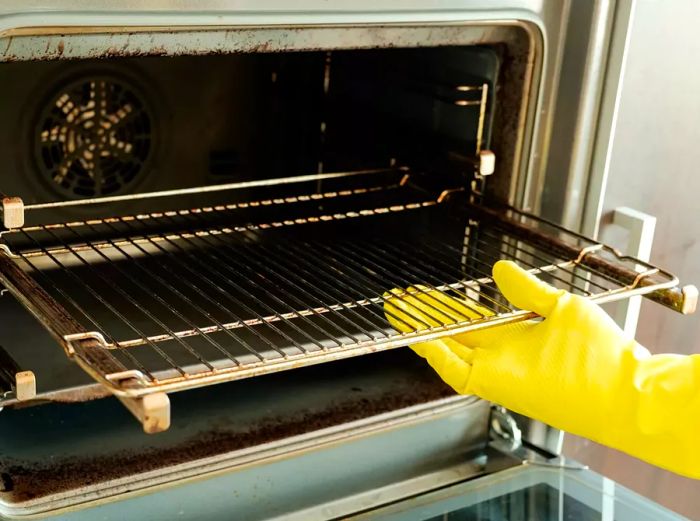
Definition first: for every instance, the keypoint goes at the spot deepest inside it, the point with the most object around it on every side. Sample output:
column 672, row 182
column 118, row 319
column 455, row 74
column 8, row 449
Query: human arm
column 574, row 370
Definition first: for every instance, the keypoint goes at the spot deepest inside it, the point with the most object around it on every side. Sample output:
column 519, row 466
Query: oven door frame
column 561, row 113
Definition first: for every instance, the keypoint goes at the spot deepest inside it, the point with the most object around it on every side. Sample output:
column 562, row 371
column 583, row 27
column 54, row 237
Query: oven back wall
column 86, row 128
column 165, row 122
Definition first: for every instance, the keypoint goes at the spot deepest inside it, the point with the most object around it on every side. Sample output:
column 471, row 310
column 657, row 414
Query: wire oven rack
column 165, row 301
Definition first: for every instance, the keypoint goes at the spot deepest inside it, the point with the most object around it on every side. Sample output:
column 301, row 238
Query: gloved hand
column 574, row 370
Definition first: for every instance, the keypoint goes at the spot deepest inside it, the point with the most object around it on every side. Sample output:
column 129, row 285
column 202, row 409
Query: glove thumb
column 524, row 290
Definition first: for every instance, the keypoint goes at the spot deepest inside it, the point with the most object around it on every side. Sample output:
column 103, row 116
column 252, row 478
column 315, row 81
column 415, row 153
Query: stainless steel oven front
column 238, row 194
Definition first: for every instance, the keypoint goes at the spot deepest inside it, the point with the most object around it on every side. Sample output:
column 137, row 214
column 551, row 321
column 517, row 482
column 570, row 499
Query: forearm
column 651, row 410
column 664, row 413
column 575, row 370
column 646, row 406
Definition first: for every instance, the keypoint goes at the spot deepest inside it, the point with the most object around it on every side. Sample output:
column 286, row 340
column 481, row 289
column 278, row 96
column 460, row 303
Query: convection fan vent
column 94, row 137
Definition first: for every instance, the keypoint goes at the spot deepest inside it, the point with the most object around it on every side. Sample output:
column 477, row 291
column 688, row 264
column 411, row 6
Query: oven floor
column 58, row 447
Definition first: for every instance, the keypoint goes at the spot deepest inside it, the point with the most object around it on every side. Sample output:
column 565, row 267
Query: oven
column 207, row 211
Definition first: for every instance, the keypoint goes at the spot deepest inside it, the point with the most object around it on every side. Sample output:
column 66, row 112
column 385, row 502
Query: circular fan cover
column 94, row 137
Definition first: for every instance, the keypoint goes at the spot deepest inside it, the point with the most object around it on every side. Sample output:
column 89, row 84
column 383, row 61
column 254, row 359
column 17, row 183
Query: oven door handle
column 640, row 227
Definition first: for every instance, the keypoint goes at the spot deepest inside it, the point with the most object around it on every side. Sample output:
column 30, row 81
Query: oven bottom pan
column 279, row 274
column 376, row 437
column 78, row 455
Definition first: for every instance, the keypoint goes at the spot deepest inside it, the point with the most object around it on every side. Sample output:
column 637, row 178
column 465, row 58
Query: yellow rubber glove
column 575, row 370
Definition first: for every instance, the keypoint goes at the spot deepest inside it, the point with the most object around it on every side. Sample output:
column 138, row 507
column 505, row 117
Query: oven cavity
column 194, row 220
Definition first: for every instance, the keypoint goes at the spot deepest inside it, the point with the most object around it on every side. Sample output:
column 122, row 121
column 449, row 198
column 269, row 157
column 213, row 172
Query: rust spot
column 110, row 52
column 60, row 47
column 125, row 51
column 82, row 394
column 261, row 47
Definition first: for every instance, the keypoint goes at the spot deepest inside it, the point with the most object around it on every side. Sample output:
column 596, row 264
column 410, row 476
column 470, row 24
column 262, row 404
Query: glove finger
column 524, row 290
column 480, row 337
column 419, row 308
column 423, row 349
column 441, row 304
column 450, row 366
column 461, row 350
column 494, row 336
column 404, row 312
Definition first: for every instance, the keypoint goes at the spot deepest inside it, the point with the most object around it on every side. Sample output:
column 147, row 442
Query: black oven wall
column 409, row 106
column 170, row 122
column 87, row 128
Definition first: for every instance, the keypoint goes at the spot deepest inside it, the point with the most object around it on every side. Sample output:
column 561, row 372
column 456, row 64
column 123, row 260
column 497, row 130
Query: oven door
column 542, row 492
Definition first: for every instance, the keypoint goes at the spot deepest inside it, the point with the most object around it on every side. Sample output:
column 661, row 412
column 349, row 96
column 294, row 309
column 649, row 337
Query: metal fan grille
column 94, row 137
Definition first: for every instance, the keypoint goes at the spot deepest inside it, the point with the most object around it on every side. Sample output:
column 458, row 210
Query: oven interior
column 193, row 220
column 202, row 121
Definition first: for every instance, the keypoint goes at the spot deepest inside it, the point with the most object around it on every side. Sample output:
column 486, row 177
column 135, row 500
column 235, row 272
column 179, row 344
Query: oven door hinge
column 506, row 436
column 503, row 427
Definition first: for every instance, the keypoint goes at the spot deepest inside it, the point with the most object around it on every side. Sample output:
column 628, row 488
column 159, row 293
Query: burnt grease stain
column 24, row 482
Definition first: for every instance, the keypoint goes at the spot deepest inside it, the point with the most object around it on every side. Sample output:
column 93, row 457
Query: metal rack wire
column 166, row 301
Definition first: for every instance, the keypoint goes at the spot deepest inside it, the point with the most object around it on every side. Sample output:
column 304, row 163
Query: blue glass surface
column 529, row 493
column 521, row 505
